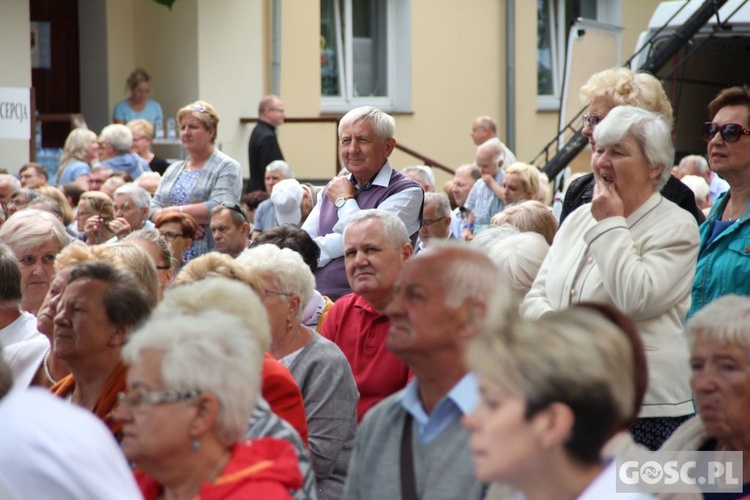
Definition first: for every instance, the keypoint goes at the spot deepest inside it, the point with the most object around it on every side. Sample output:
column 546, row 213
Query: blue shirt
column 460, row 400
column 130, row 163
column 483, row 202
column 150, row 112
column 73, row 171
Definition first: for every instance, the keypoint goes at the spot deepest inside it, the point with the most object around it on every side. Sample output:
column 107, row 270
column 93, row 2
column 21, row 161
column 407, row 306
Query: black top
column 262, row 150
column 581, row 191
column 158, row 165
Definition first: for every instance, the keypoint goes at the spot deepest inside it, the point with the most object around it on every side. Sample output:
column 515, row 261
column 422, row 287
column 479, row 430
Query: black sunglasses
column 235, row 207
column 730, row 132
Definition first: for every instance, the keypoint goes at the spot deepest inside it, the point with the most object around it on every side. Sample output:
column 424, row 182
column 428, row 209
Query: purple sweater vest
column 331, row 278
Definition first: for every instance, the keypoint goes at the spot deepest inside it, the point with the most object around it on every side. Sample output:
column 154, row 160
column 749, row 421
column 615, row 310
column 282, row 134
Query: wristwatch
column 340, row 201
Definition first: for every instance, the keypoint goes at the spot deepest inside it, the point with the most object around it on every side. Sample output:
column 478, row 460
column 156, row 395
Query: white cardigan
column 643, row 264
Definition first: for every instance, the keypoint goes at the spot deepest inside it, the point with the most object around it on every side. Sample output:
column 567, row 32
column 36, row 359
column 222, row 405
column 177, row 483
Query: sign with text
column 15, row 113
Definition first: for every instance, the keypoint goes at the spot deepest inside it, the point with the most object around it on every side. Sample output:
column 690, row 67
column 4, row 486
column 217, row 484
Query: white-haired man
column 131, row 210
column 115, row 142
column 697, row 165
column 376, row 245
column 436, row 221
column 486, row 195
column 422, row 175
column 366, row 138
column 440, row 301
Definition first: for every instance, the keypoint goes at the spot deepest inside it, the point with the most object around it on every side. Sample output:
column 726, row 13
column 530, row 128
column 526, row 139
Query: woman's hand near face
column 606, row 202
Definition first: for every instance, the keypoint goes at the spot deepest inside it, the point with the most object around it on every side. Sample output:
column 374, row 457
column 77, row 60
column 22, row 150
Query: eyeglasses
column 428, row 222
column 170, row 235
column 268, row 292
column 236, row 208
column 135, row 400
column 592, row 120
column 280, row 110
column 730, row 132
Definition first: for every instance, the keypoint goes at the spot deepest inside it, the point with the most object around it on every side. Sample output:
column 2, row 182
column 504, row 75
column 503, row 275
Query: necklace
column 46, row 368
column 289, row 347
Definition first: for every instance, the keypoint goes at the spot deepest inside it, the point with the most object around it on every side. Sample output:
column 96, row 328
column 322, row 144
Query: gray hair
column 518, row 258
column 136, row 261
column 284, row 268
column 31, row 228
column 726, row 320
column 281, row 167
column 140, row 196
column 206, row 352
column 118, row 136
column 441, row 202
column 697, row 161
column 650, row 130
column 15, row 184
column 229, row 296
column 473, row 171
column 10, row 276
column 382, row 123
column 529, row 215
column 468, row 275
column 697, row 185
column 154, row 237
column 587, row 364
column 423, row 173
column 125, row 302
column 394, row 229
column 485, row 240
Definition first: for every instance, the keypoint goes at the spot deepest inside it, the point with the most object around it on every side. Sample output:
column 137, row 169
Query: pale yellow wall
column 166, row 46
column 635, row 17
column 230, row 67
column 534, row 128
column 16, row 71
column 120, row 48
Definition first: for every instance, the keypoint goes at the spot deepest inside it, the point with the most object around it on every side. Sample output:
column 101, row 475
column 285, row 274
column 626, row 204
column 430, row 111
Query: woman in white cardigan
column 636, row 250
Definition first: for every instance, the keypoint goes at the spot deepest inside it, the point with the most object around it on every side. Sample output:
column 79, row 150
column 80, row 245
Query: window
column 359, row 59
column 555, row 16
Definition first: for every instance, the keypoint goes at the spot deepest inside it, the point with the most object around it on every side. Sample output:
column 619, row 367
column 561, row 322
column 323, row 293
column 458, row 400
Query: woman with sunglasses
column 631, row 248
column 205, row 179
column 724, row 259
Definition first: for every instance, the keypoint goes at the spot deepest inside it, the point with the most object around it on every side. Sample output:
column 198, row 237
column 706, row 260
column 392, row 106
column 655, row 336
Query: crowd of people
column 167, row 333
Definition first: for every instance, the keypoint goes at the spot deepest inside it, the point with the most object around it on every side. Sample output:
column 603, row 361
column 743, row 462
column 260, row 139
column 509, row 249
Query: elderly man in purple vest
column 366, row 137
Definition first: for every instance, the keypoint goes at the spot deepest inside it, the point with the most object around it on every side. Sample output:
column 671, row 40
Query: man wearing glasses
column 436, row 220
column 264, row 145
column 230, row 228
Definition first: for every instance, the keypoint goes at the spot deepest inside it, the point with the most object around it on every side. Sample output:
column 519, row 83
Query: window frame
column 398, row 34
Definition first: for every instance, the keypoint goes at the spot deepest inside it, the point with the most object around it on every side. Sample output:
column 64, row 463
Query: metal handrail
column 335, row 119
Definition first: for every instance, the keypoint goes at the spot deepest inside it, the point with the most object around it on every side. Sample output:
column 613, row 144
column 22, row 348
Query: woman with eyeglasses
column 631, row 248
column 179, row 231
column 724, row 259
column 320, row 368
column 622, row 87
column 192, row 384
column 205, row 179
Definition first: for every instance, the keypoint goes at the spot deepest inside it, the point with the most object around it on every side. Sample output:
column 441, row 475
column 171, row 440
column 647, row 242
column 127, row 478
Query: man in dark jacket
column 264, row 146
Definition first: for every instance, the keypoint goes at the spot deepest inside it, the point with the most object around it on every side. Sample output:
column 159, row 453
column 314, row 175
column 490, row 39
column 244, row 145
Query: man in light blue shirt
column 114, row 150
column 440, row 301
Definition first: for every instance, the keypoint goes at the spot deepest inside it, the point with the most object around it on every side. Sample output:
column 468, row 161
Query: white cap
column 286, row 197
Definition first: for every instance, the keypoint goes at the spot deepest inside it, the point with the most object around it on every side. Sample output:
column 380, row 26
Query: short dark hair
column 292, row 237
column 732, row 96
column 10, row 275
column 125, row 302
column 37, row 167
column 73, row 191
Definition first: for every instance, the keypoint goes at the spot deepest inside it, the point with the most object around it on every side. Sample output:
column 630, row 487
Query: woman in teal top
column 138, row 105
column 724, row 258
